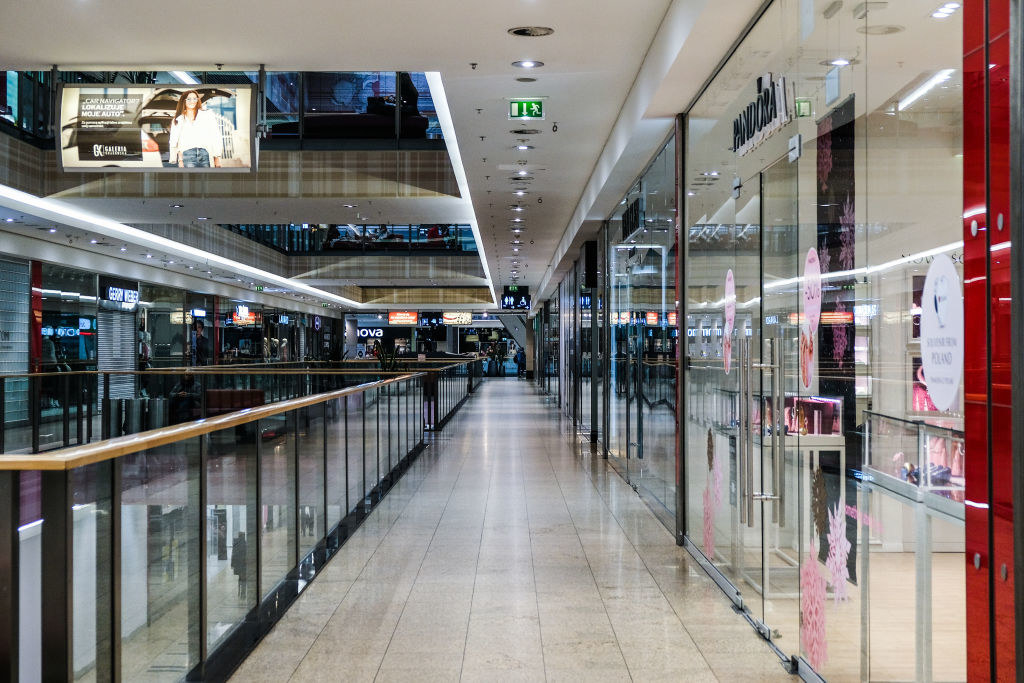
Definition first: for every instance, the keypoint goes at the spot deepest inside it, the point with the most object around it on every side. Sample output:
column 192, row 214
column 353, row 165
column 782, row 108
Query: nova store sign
column 769, row 112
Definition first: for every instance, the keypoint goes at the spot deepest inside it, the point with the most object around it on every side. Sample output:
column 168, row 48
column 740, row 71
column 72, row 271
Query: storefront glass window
column 824, row 419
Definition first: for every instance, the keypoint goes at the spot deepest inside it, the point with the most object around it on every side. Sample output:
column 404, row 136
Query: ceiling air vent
column 531, row 31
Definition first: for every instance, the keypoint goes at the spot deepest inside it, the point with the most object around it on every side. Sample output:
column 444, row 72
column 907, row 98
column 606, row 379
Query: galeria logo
column 99, row 151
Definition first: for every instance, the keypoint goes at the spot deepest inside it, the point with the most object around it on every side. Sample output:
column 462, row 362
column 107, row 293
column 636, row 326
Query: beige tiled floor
column 509, row 553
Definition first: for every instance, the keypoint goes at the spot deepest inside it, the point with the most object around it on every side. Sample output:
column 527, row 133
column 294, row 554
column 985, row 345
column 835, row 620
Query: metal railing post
column 10, row 517
column 57, row 567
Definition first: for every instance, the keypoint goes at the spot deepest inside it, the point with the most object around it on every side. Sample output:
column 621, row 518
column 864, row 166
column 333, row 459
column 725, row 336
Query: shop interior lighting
column 50, row 210
column 185, row 77
column 940, row 77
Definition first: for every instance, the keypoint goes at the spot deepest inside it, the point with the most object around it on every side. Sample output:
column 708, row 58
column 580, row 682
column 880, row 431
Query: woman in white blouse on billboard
column 195, row 140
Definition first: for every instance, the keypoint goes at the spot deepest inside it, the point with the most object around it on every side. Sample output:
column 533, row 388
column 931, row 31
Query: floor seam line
column 590, row 567
column 476, row 573
column 426, row 550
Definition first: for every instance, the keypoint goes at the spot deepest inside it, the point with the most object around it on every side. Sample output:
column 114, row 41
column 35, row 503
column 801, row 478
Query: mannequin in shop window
column 922, row 402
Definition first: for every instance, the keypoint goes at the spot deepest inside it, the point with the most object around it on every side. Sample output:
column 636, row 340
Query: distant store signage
column 141, row 128
column 672, row 319
column 652, row 318
column 431, row 319
column 243, row 316
column 317, row 323
column 282, row 320
column 632, row 218
column 526, row 110
column 370, row 333
column 403, row 318
column 119, row 291
column 768, row 113
column 458, row 318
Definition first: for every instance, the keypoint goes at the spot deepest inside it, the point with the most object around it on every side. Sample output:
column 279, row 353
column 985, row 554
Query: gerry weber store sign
column 766, row 114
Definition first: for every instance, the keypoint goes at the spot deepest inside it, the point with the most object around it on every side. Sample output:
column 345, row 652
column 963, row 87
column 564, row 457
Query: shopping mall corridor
column 509, row 552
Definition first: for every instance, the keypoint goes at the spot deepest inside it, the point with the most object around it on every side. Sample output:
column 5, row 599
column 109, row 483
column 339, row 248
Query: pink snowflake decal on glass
column 824, row 152
column 838, row 554
column 812, row 613
column 847, row 232
column 840, row 338
column 712, row 499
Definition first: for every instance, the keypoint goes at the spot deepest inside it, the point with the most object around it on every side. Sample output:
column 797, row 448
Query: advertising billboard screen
column 403, row 318
column 174, row 128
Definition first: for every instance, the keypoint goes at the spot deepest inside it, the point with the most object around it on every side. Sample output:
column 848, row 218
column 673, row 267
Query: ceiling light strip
column 60, row 212
column 444, row 118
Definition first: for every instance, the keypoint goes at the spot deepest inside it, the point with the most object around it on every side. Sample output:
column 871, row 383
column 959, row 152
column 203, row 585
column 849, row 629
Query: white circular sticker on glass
column 812, row 314
column 730, row 319
column 942, row 333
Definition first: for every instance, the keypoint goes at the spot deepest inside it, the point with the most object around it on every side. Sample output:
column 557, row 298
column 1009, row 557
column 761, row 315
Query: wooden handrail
column 88, row 454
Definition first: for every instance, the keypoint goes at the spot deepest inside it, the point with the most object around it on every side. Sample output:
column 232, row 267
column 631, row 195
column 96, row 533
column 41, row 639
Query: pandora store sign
column 762, row 117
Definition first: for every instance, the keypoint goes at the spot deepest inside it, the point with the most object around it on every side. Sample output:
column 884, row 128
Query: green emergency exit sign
column 526, row 109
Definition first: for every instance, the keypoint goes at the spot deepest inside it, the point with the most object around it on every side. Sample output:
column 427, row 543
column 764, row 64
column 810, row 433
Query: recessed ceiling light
column 528, row 64
column 93, row 241
column 149, row 256
column 53, row 229
column 520, row 193
column 202, row 218
column 531, row 31
column 170, row 263
column 522, row 172
column 840, row 62
column 124, row 248
column 523, row 148
column 9, row 220
column 177, row 206
column 349, row 206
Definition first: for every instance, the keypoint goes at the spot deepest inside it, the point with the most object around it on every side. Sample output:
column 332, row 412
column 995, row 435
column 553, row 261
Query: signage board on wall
column 769, row 112
column 119, row 291
column 370, row 333
column 651, row 318
column 458, row 318
column 410, row 318
column 133, row 127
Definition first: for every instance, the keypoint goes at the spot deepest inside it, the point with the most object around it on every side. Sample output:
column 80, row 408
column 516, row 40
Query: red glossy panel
column 1000, row 339
column 975, row 352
